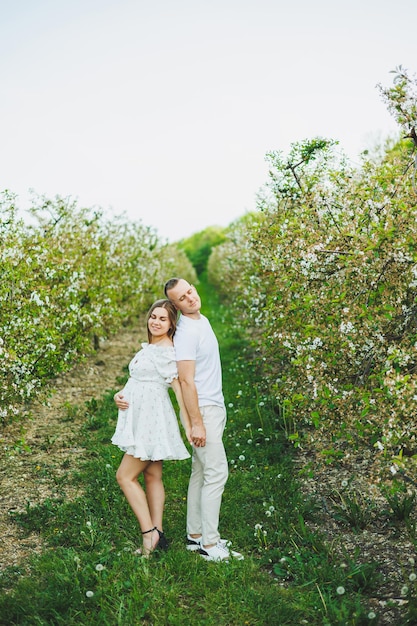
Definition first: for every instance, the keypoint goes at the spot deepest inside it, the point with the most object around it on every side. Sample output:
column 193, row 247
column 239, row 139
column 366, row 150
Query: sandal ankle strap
column 145, row 532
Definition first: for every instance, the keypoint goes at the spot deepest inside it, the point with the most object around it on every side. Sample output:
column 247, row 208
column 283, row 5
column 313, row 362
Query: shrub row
column 69, row 278
column 324, row 279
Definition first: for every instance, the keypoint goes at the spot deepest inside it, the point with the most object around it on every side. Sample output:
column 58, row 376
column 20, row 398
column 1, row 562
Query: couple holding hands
column 182, row 353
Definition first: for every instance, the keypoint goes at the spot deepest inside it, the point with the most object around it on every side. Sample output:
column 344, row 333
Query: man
column 200, row 375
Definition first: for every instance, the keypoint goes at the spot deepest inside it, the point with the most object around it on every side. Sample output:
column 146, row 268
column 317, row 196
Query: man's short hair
column 170, row 284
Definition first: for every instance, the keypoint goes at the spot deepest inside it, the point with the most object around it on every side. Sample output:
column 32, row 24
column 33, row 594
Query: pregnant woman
column 147, row 426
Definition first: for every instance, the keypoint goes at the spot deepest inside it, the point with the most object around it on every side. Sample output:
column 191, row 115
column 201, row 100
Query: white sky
column 164, row 109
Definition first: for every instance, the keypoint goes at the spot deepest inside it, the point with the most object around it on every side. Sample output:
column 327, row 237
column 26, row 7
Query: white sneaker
column 219, row 552
column 194, row 543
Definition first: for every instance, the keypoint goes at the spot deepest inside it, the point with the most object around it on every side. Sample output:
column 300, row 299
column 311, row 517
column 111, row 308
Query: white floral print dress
column 149, row 429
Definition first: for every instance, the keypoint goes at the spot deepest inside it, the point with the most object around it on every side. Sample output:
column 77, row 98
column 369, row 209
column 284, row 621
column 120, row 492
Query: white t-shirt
column 195, row 340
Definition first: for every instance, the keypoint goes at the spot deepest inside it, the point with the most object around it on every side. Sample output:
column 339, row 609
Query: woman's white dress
column 148, row 429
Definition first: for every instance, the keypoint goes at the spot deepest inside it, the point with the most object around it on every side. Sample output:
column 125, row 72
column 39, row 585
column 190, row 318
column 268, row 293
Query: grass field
column 88, row 572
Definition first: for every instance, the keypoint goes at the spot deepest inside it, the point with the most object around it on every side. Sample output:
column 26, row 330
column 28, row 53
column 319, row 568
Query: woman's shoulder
column 161, row 347
column 163, row 355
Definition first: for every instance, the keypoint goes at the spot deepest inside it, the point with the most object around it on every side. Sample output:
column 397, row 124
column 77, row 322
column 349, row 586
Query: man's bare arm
column 184, row 417
column 186, row 373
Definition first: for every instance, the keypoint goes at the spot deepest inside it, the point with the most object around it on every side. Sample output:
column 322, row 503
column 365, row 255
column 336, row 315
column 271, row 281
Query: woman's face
column 159, row 323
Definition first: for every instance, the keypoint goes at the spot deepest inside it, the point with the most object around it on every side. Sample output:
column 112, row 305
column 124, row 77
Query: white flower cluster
column 68, row 289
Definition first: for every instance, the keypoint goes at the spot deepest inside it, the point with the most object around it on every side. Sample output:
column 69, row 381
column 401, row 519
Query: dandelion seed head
column 404, row 590
column 241, row 457
column 412, row 577
column 411, row 560
column 371, row 615
column 99, row 567
column 89, row 594
column 340, row 590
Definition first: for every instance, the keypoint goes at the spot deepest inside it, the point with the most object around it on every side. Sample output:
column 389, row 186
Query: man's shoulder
column 185, row 330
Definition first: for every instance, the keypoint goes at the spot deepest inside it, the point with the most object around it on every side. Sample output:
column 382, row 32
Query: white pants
column 209, row 473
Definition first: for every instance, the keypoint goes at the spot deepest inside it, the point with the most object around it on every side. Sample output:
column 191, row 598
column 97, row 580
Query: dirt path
column 34, row 456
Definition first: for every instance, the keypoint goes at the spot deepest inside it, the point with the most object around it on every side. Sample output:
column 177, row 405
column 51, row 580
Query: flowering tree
column 328, row 275
column 67, row 282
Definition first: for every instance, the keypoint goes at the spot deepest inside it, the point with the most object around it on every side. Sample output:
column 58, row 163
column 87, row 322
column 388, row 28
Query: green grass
column 289, row 575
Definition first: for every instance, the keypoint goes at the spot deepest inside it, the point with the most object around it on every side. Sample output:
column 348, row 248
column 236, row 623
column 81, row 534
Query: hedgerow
column 324, row 280
column 69, row 279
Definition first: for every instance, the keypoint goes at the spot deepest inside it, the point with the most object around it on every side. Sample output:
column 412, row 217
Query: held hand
column 121, row 403
column 198, row 435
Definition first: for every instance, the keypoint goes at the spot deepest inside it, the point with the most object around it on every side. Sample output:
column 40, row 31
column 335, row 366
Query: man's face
column 185, row 298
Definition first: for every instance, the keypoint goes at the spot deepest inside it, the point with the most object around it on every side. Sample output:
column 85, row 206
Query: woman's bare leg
column 127, row 476
column 155, row 492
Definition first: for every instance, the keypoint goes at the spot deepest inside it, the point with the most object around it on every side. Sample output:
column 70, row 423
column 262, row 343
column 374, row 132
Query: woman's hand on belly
column 120, row 401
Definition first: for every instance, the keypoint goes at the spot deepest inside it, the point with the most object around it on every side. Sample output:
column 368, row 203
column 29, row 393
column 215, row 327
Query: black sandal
column 145, row 532
column 139, row 551
column 163, row 541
